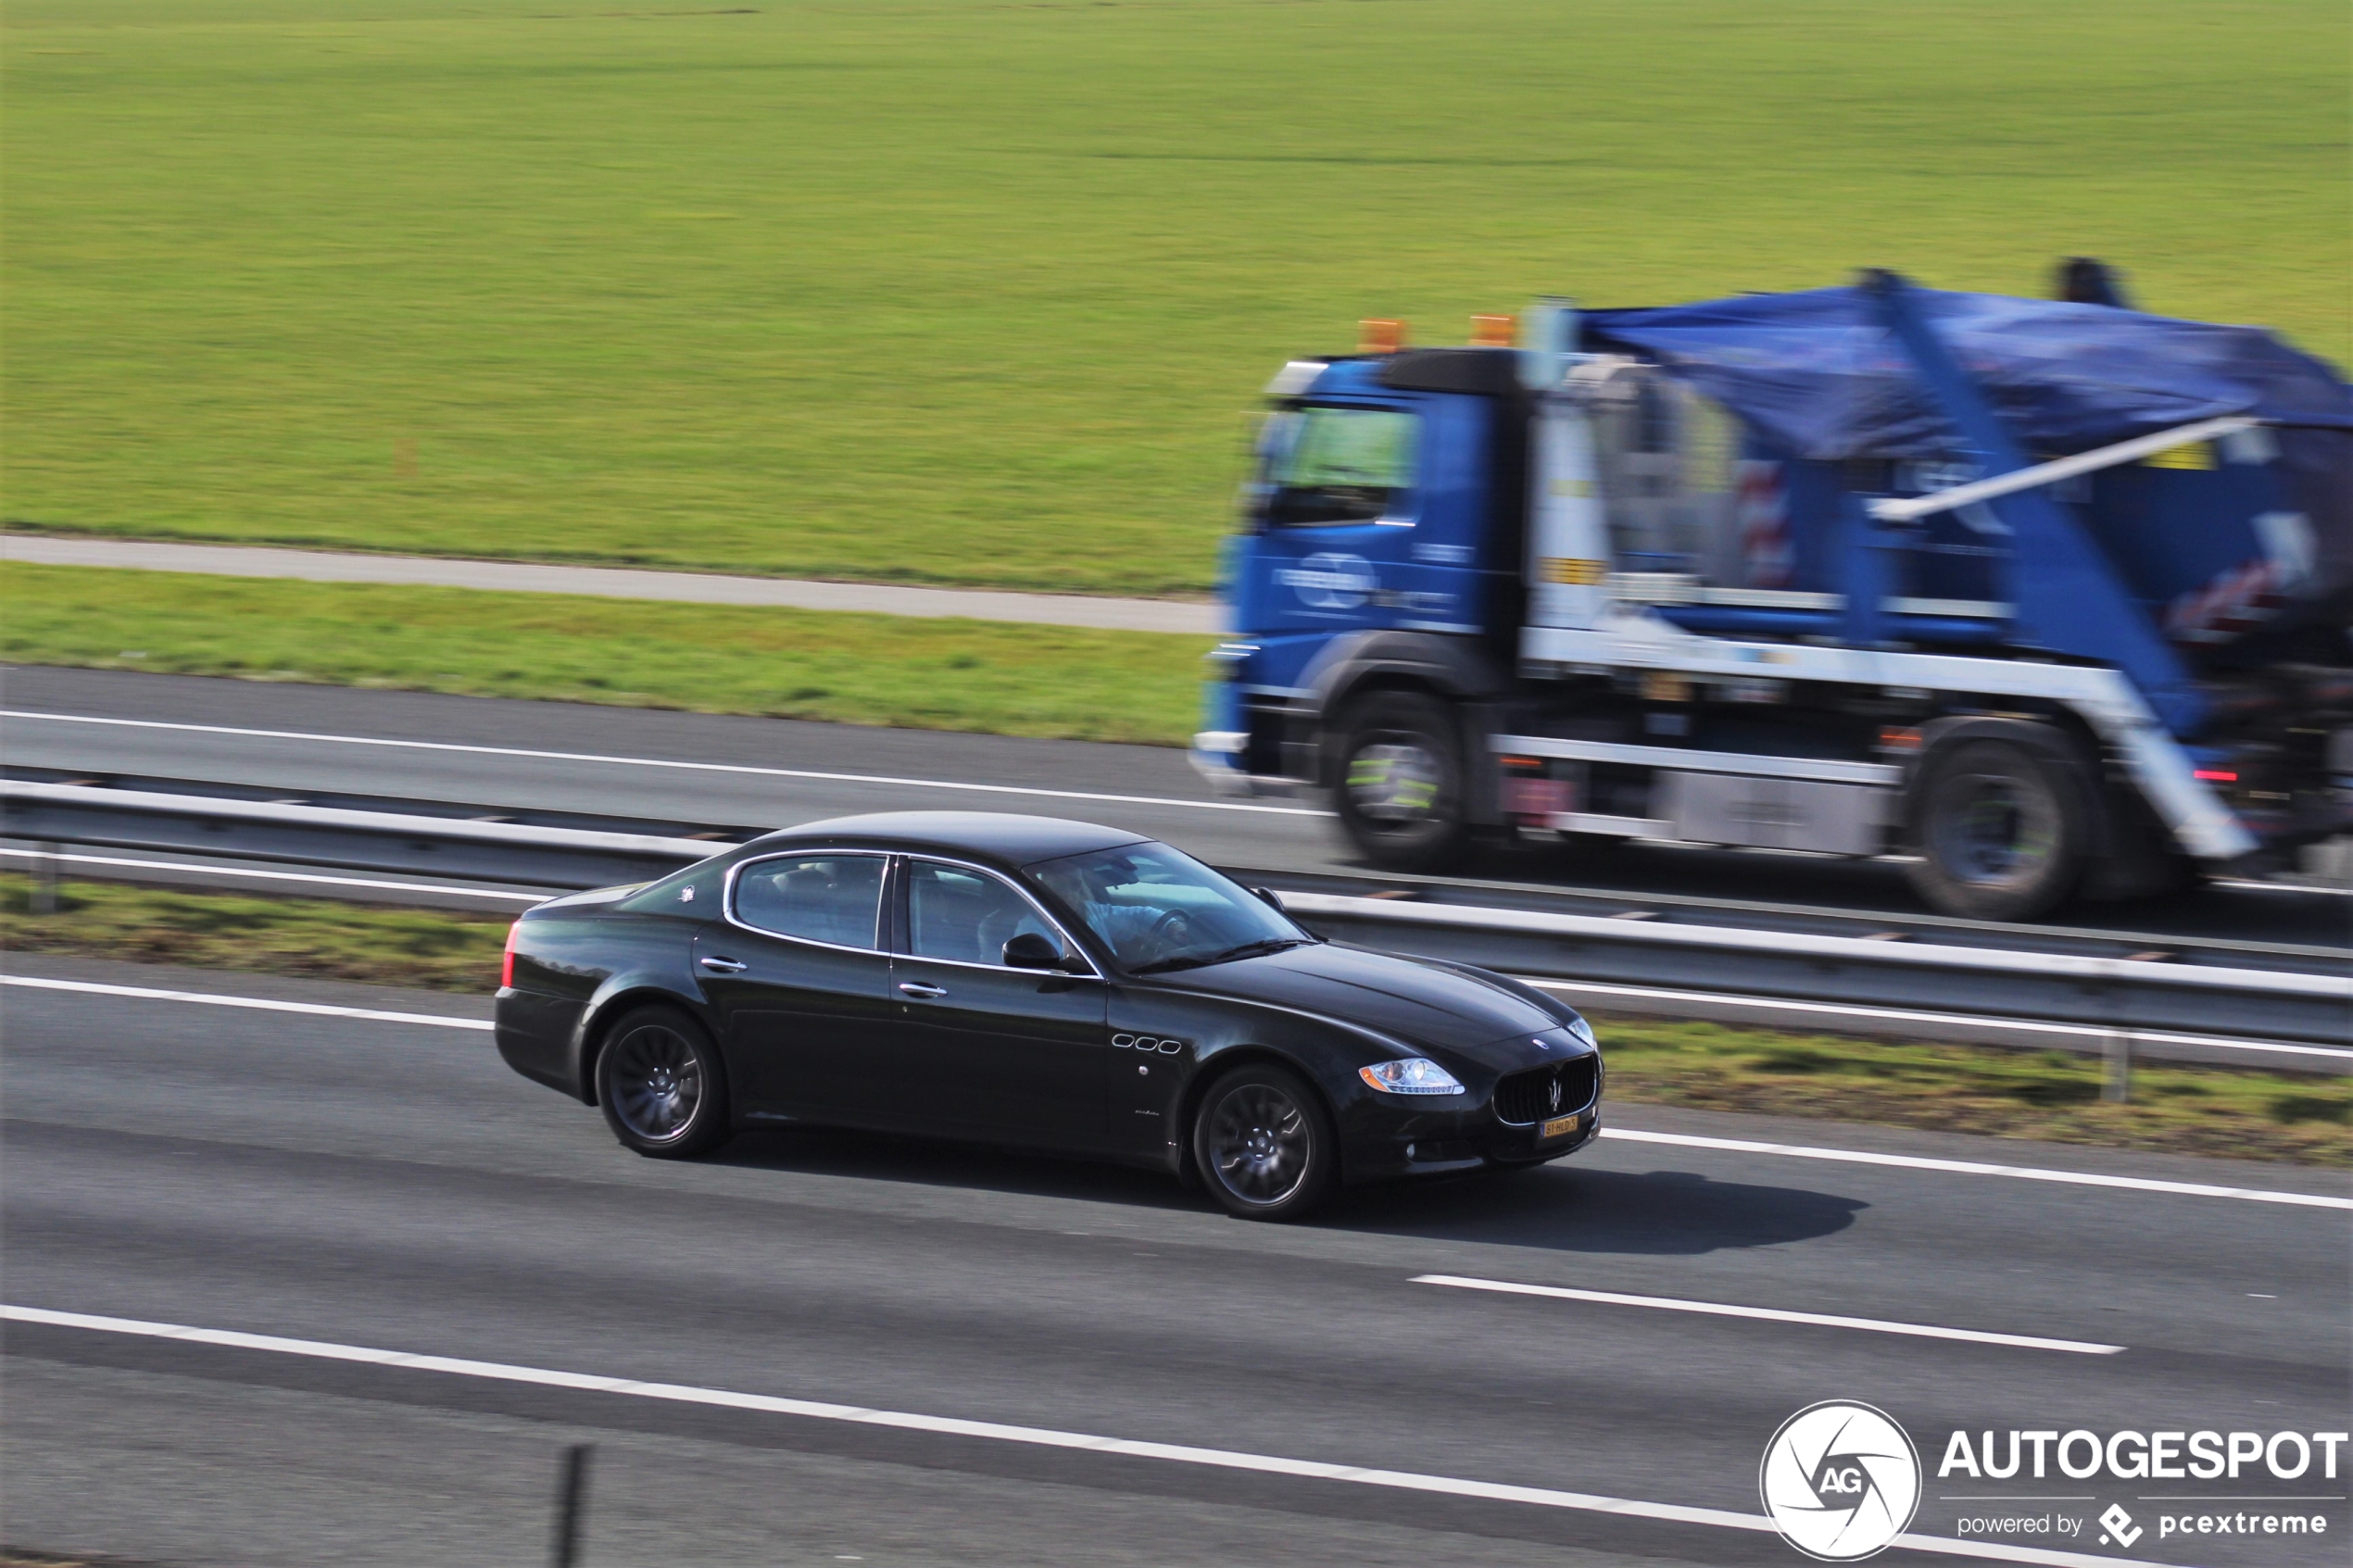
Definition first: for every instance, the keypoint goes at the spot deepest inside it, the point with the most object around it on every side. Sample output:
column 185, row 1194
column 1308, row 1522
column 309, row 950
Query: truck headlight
column 1411, row 1076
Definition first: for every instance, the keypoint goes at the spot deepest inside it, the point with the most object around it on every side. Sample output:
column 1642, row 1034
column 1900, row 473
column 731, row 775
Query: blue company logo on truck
column 2049, row 597
column 1331, row 582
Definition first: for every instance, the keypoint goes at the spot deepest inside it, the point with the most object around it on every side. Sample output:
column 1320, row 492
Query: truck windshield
column 1327, row 465
column 1157, row 908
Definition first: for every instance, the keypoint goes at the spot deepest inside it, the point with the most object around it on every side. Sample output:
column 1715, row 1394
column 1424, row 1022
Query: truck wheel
column 1999, row 831
column 1400, row 786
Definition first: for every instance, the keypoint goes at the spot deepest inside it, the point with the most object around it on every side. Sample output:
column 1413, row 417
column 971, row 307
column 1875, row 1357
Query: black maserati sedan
column 1033, row 982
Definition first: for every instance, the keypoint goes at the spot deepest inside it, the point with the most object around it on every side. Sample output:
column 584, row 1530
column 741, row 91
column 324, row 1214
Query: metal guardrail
column 529, row 856
column 2119, row 994
column 2124, row 995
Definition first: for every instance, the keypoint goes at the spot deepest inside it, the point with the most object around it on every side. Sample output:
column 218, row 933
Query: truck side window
column 1330, row 465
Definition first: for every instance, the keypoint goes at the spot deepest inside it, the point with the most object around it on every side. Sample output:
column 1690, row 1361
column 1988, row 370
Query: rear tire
column 1263, row 1145
column 2000, row 830
column 1400, row 785
column 661, row 1086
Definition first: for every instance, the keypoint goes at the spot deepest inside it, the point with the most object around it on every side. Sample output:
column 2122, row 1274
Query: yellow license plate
column 1561, row 1126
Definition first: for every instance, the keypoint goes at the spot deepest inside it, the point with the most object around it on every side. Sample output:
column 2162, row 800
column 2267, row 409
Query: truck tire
column 2000, row 831
column 1399, row 782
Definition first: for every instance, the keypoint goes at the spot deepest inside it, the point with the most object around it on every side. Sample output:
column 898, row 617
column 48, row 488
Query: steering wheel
column 1169, row 930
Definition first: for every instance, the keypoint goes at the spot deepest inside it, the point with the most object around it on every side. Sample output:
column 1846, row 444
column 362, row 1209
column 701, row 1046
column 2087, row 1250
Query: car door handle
column 723, row 966
column 916, row 988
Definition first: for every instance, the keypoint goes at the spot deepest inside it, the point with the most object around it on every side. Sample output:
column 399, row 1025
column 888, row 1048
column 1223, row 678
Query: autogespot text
column 2137, row 1456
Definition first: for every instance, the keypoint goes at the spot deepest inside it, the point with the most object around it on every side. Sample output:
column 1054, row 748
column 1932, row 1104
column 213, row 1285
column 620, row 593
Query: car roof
column 1003, row 836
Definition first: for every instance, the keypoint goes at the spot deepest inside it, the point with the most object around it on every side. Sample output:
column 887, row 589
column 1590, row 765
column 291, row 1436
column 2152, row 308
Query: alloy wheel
column 657, row 1082
column 1259, row 1143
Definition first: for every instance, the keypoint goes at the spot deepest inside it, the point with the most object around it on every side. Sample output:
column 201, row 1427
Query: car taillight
column 507, row 964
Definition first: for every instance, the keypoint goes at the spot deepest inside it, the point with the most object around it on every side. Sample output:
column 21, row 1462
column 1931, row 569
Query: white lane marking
column 281, row 876
column 262, row 1004
column 1914, row 1015
column 1978, row 1168
column 1819, row 1320
column 666, row 762
column 1040, row 1437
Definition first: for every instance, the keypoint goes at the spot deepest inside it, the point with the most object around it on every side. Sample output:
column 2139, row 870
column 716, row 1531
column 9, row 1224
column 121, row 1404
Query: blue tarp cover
column 1816, row 375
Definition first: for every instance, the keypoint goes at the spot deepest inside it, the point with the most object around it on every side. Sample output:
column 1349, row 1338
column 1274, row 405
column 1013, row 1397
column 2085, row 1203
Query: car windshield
column 1156, row 908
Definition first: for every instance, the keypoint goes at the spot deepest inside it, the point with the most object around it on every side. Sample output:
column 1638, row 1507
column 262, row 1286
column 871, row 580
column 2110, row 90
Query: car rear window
column 835, row 899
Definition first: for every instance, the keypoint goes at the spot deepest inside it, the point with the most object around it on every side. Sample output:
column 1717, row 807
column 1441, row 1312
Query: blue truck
column 2051, row 597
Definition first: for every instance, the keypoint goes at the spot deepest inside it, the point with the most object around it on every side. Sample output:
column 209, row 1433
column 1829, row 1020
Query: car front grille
column 1527, row 1096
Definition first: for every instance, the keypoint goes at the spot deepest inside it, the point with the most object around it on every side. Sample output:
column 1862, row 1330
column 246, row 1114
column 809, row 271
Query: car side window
column 835, row 899
column 966, row 916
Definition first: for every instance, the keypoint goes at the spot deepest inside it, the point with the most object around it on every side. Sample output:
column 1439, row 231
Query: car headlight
column 1411, row 1076
column 1582, row 1030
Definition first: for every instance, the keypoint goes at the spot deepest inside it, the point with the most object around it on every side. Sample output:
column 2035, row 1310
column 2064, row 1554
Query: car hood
column 1422, row 1002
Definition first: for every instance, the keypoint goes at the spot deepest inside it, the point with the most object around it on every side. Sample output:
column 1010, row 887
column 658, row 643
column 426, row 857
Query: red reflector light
column 507, row 964
column 2216, row 776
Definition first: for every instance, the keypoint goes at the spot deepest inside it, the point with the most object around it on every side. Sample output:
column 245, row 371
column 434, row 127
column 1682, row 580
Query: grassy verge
column 1948, row 1088
column 314, row 938
column 953, row 291
column 1060, row 682
column 2047, row 1095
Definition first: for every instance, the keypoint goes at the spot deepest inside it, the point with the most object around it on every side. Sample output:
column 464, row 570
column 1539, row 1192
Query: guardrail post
column 2117, row 1089
column 572, row 1503
column 44, row 879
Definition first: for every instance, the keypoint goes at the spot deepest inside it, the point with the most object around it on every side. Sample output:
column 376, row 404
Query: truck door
column 1368, row 516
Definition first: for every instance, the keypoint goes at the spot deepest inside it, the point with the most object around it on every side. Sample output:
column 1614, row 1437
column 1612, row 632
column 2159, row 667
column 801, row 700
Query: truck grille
column 1527, row 1096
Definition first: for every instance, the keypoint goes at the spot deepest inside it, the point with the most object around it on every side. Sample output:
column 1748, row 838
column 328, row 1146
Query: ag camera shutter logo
column 1840, row 1481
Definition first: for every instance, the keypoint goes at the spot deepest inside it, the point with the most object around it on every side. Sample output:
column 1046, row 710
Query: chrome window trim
column 727, row 898
column 1069, row 944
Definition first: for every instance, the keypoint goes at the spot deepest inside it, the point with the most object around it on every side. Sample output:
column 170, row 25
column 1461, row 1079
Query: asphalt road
column 556, row 757
column 388, row 1184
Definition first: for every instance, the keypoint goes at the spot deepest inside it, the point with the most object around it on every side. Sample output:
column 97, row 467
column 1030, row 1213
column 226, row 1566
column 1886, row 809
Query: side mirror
column 1272, row 899
column 1029, row 950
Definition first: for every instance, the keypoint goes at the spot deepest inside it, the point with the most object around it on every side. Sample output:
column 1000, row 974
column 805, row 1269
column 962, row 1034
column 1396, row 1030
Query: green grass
column 962, row 290
column 431, row 949
column 2047, row 1095
column 943, row 674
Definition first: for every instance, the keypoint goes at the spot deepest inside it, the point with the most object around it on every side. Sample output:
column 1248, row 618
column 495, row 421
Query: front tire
column 1400, row 790
column 1264, row 1146
column 2000, row 831
column 661, row 1086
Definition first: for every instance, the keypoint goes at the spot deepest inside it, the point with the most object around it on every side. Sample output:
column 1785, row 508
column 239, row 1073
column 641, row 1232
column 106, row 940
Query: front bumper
column 1385, row 1137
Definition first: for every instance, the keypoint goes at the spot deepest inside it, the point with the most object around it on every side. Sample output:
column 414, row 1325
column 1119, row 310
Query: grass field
column 958, row 290
column 2047, row 1095
column 920, row 675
